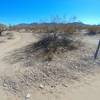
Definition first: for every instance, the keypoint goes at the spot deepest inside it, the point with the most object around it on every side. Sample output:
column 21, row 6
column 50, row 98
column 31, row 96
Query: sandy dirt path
column 20, row 40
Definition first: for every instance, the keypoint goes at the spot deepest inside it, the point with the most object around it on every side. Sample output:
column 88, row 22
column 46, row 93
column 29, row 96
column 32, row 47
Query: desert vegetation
column 59, row 56
column 2, row 28
column 68, row 28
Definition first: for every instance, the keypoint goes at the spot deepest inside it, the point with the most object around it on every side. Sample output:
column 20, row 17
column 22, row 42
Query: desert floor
column 86, row 89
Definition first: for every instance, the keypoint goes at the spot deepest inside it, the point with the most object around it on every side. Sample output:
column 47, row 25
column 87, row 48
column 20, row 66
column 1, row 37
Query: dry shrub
column 93, row 30
column 54, row 43
column 2, row 28
column 48, row 28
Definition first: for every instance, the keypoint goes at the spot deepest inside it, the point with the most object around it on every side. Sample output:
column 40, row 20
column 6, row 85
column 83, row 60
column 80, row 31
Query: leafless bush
column 51, row 43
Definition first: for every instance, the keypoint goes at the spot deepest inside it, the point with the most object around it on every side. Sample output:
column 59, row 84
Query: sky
column 28, row 11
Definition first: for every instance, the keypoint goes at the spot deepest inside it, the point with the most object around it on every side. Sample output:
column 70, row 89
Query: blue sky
column 27, row 11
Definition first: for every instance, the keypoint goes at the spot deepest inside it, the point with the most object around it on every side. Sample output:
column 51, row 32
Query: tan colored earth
column 87, row 89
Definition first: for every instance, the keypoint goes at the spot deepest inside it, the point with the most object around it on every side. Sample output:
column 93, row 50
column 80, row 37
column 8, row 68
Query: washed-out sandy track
column 20, row 40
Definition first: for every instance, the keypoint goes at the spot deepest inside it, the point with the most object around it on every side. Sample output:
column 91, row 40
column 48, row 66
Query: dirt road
column 20, row 40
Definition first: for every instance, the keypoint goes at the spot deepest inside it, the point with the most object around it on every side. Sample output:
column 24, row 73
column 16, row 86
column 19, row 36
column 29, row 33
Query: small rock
column 27, row 97
column 5, row 85
column 76, row 67
column 65, row 85
column 41, row 86
column 53, row 86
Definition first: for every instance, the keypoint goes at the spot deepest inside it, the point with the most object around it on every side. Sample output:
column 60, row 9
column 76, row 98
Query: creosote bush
column 55, row 43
